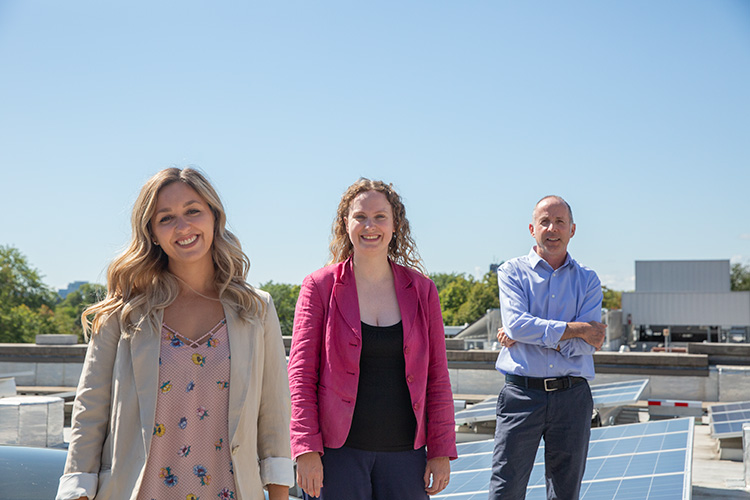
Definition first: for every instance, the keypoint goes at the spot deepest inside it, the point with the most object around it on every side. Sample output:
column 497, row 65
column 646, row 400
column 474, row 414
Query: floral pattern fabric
column 190, row 454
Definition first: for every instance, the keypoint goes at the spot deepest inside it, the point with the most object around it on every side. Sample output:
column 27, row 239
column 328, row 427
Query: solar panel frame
column 605, row 394
column 649, row 461
column 726, row 419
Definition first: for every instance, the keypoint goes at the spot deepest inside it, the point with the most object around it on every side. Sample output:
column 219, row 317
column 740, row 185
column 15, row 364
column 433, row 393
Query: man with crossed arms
column 551, row 310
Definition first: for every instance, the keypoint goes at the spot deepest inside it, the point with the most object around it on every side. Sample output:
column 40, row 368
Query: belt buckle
column 547, row 388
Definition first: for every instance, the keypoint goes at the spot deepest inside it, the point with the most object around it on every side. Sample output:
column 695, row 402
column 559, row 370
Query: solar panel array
column 647, row 461
column 605, row 396
column 727, row 419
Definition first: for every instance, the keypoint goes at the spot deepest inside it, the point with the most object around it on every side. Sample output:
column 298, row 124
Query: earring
column 156, row 243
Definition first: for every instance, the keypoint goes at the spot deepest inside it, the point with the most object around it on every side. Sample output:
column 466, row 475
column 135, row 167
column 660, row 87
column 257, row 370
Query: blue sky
column 637, row 112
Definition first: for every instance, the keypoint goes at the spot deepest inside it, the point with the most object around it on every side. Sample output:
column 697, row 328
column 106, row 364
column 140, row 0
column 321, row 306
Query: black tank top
column 383, row 418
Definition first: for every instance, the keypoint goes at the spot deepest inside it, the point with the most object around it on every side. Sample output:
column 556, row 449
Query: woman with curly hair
column 184, row 391
column 372, row 408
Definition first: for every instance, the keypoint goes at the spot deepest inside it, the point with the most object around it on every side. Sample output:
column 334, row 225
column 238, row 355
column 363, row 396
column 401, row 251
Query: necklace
column 196, row 291
column 197, row 342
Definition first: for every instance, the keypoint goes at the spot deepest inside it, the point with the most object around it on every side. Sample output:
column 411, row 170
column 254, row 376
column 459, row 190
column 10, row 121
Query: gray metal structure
column 682, row 276
column 691, row 298
column 687, row 308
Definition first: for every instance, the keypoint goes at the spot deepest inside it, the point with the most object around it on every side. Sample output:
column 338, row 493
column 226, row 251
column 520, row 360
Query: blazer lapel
column 345, row 294
column 242, row 339
column 408, row 301
column 145, row 352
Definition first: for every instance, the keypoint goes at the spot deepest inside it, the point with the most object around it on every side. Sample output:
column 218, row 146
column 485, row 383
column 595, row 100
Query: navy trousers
column 351, row 474
column 524, row 416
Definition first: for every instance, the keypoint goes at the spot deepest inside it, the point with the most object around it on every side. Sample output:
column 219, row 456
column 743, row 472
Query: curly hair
column 402, row 249
column 140, row 279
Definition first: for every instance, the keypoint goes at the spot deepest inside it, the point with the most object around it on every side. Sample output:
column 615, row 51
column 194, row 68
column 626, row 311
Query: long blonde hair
column 139, row 277
column 402, row 249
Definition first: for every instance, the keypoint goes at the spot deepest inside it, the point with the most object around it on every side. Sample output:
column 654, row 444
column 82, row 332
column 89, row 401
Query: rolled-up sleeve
column 571, row 348
column 90, row 418
column 76, row 485
column 276, row 466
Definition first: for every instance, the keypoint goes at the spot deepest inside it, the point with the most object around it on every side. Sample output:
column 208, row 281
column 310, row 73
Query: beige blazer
column 115, row 407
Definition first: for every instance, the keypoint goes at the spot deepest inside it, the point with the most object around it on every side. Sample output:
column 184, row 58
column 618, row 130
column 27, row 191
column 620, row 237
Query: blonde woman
column 372, row 409
column 184, row 392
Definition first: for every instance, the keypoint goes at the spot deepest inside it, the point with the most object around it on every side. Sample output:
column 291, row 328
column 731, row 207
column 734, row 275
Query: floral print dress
column 190, row 452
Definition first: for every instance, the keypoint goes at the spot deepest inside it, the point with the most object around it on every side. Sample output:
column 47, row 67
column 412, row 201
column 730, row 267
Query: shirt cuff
column 553, row 333
column 277, row 470
column 76, row 485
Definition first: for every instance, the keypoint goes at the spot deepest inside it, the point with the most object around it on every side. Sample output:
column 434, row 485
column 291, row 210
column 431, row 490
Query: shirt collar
column 535, row 259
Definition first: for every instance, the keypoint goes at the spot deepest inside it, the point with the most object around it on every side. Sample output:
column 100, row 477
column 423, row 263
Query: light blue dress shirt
column 537, row 302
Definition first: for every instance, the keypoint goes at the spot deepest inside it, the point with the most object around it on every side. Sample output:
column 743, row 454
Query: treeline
column 29, row 307
column 463, row 299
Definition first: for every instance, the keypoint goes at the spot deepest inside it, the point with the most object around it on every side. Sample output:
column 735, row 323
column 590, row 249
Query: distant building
column 691, row 298
column 72, row 287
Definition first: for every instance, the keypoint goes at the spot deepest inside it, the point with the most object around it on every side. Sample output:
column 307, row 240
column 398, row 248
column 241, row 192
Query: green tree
column 612, row 298
column 20, row 283
column 740, row 277
column 68, row 311
column 285, row 299
column 454, row 294
column 464, row 299
column 442, row 280
column 25, row 301
column 483, row 295
column 22, row 324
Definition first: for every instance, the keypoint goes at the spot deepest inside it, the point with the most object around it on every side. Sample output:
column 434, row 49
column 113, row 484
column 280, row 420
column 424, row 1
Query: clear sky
column 637, row 112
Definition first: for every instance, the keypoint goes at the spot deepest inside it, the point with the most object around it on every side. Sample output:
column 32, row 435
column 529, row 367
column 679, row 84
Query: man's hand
column 504, row 340
column 592, row 333
column 440, row 470
column 596, row 334
column 310, row 473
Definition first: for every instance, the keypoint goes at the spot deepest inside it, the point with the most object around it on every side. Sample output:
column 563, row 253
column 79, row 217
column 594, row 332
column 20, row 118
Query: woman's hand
column 504, row 340
column 440, row 470
column 310, row 473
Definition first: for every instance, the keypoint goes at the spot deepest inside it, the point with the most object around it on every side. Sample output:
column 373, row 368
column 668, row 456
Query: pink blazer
column 324, row 360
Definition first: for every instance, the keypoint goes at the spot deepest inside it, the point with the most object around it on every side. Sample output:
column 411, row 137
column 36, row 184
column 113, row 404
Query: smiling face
column 370, row 224
column 552, row 229
column 183, row 225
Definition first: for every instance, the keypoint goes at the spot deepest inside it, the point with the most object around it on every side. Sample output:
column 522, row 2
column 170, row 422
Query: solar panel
column 647, row 461
column 618, row 393
column 727, row 419
column 604, row 395
column 480, row 412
